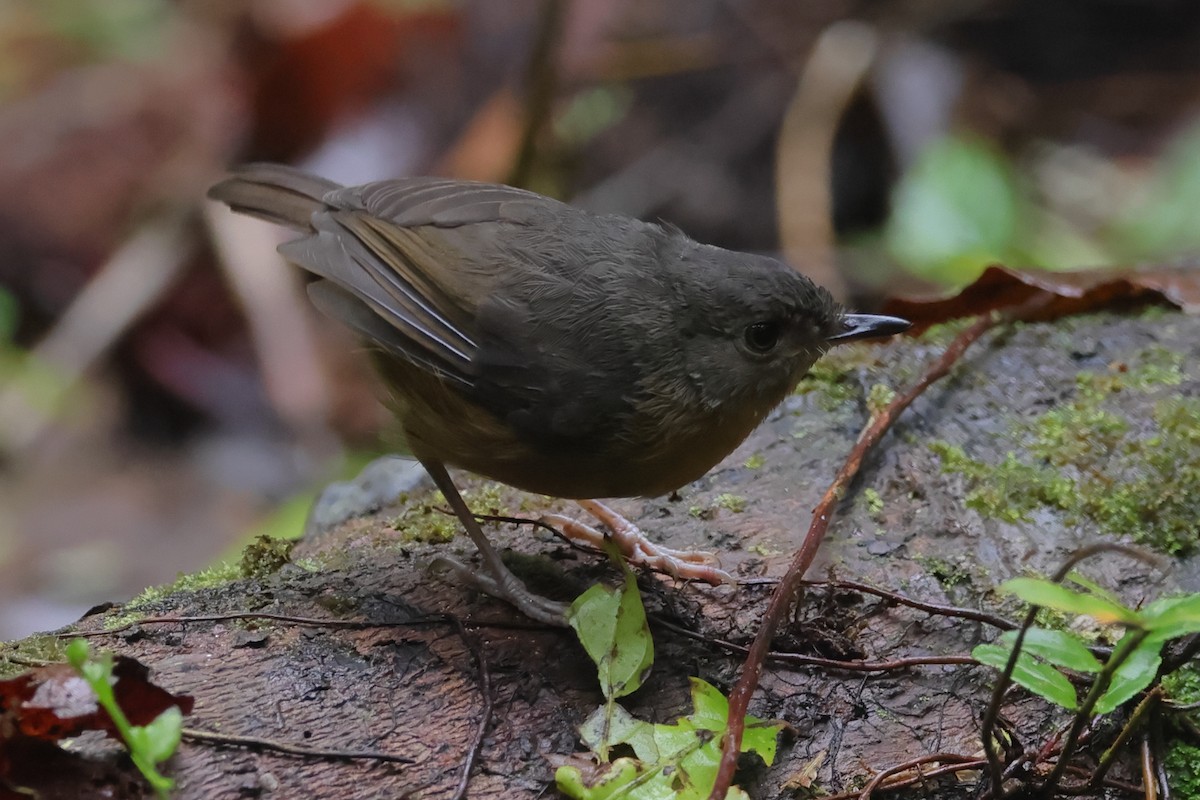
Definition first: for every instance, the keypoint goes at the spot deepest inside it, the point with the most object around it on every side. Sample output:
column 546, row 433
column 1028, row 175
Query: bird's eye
column 761, row 337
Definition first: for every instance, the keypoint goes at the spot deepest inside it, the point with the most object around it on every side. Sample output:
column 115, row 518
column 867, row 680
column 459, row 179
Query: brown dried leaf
column 1074, row 292
column 54, row 702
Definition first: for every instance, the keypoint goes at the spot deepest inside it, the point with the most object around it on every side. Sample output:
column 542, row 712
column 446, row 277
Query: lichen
column 755, row 461
column 1086, row 460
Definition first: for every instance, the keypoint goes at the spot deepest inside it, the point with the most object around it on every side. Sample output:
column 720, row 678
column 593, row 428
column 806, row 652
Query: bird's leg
column 637, row 549
column 499, row 581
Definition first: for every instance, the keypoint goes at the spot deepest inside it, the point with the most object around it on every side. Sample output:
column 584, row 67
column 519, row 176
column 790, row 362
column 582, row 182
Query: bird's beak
column 868, row 326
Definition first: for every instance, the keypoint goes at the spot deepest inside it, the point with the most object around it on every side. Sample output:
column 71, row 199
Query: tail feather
column 274, row 192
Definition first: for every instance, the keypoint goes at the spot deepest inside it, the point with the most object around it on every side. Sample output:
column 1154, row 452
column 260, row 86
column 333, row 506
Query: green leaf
column 1039, row 678
column 77, row 652
column 608, row 726
column 1079, row 579
column 1173, row 617
column 619, row 775
column 1060, row 648
column 954, row 211
column 612, row 628
column 1133, row 675
column 163, row 734
column 1037, row 591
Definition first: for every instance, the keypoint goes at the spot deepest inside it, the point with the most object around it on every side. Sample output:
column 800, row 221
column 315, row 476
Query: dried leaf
column 1074, row 292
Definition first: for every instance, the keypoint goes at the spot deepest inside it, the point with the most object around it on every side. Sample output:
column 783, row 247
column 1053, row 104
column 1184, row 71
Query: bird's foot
column 637, row 549
column 507, row 587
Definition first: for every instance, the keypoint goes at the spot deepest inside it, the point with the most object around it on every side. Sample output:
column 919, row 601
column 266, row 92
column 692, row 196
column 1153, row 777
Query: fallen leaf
column 1072, row 292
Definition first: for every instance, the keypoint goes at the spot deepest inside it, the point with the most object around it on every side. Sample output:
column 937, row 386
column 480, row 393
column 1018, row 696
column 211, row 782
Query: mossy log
column 1047, row 437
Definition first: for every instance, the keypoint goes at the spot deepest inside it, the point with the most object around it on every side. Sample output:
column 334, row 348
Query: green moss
column 1183, row 686
column 216, row 575
column 265, row 556
column 429, row 520
column 831, row 384
column 15, row 657
column 874, row 503
column 730, row 502
column 1010, row 490
column 1182, row 763
column 755, row 461
column 943, row 333
column 1086, row 460
column 880, row 397
column 948, row 573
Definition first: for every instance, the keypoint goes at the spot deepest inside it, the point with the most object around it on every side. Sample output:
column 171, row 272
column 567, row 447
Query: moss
column 943, row 333
column 1010, row 490
column 880, row 397
column 730, row 502
column 948, row 573
column 831, row 384
column 265, row 556
column 1089, row 462
column 1182, row 763
column 755, row 461
column 15, row 657
column 430, row 520
column 874, row 503
column 1183, row 686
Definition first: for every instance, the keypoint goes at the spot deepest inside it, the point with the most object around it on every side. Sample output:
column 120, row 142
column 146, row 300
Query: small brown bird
column 554, row 350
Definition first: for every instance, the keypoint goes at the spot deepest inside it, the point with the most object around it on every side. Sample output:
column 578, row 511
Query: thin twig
column 995, row 766
column 485, row 719
column 781, row 599
column 542, row 83
column 192, row 734
column 1149, row 776
column 916, row 764
column 816, row 661
column 910, row 780
column 316, row 622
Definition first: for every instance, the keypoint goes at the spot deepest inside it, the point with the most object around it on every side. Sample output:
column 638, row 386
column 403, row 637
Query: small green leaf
column 1037, row 591
column 77, row 652
column 1079, row 579
column 1039, row 678
column 163, row 734
column 606, row 728
column 612, row 628
column 1173, row 617
column 1060, row 648
column 1133, row 675
column 619, row 775
column 956, row 209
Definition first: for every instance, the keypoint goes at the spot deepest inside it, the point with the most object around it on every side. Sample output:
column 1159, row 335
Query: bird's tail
column 274, row 192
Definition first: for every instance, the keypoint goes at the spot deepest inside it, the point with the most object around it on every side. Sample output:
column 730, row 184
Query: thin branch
column 257, row 743
column 542, row 83
column 781, row 599
column 485, row 718
column 816, row 661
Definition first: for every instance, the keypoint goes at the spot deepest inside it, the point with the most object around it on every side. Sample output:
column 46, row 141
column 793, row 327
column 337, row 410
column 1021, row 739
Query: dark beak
column 868, row 326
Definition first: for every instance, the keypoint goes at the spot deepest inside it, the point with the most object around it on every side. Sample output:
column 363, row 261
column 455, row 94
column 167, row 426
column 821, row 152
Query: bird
column 557, row 351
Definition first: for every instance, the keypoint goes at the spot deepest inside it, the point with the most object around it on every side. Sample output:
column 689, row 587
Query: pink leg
column 683, row 564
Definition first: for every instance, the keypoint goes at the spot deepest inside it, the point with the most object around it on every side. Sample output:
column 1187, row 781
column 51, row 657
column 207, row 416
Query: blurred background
column 165, row 390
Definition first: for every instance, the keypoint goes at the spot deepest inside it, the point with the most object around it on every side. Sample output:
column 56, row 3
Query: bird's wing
column 380, row 245
column 457, row 278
